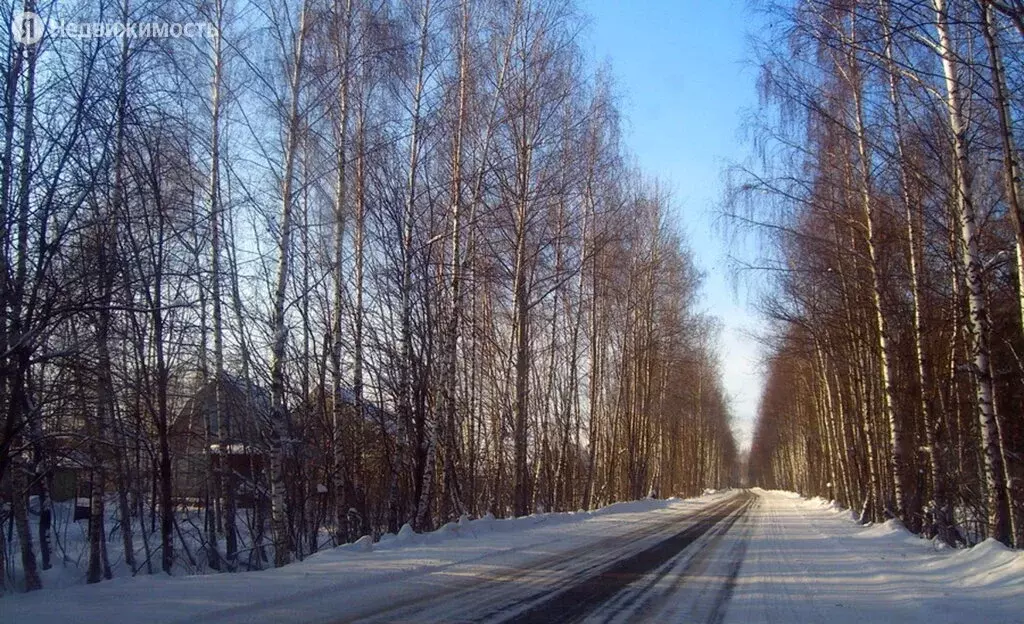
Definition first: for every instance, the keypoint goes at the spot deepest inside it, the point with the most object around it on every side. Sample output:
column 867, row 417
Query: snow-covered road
column 809, row 562
column 746, row 557
column 607, row 578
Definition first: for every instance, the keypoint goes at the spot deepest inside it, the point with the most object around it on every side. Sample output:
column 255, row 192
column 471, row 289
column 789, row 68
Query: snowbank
column 809, row 560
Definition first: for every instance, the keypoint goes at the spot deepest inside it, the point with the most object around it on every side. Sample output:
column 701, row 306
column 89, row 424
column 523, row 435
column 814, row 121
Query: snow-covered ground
column 807, row 561
column 778, row 558
column 71, row 544
column 344, row 580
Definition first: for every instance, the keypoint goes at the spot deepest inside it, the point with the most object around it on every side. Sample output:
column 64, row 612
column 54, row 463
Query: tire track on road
column 679, row 589
column 491, row 597
column 587, row 594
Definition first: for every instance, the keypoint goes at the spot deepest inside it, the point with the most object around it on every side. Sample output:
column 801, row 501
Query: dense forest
column 889, row 201
column 331, row 268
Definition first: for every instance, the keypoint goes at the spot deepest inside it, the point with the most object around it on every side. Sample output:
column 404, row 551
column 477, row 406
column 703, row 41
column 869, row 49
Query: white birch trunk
column 978, row 320
column 279, row 408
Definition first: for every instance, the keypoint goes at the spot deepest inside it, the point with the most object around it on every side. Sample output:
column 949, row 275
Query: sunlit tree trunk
column 979, row 323
column 1011, row 186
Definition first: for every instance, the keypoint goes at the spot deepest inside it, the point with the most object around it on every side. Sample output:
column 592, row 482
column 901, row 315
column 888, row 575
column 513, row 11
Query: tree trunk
column 1011, row 184
column 279, row 434
column 223, row 433
column 19, row 509
column 979, row 324
column 854, row 78
column 338, row 469
column 405, row 408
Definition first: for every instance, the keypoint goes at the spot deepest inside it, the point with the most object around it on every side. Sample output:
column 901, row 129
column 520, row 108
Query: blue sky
column 682, row 70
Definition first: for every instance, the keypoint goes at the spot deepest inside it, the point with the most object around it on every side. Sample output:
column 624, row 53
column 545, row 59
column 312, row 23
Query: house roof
column 245, row 410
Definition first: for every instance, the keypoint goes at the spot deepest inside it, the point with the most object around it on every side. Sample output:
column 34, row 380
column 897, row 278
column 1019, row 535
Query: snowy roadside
column 336, row 578
column 809, row 561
